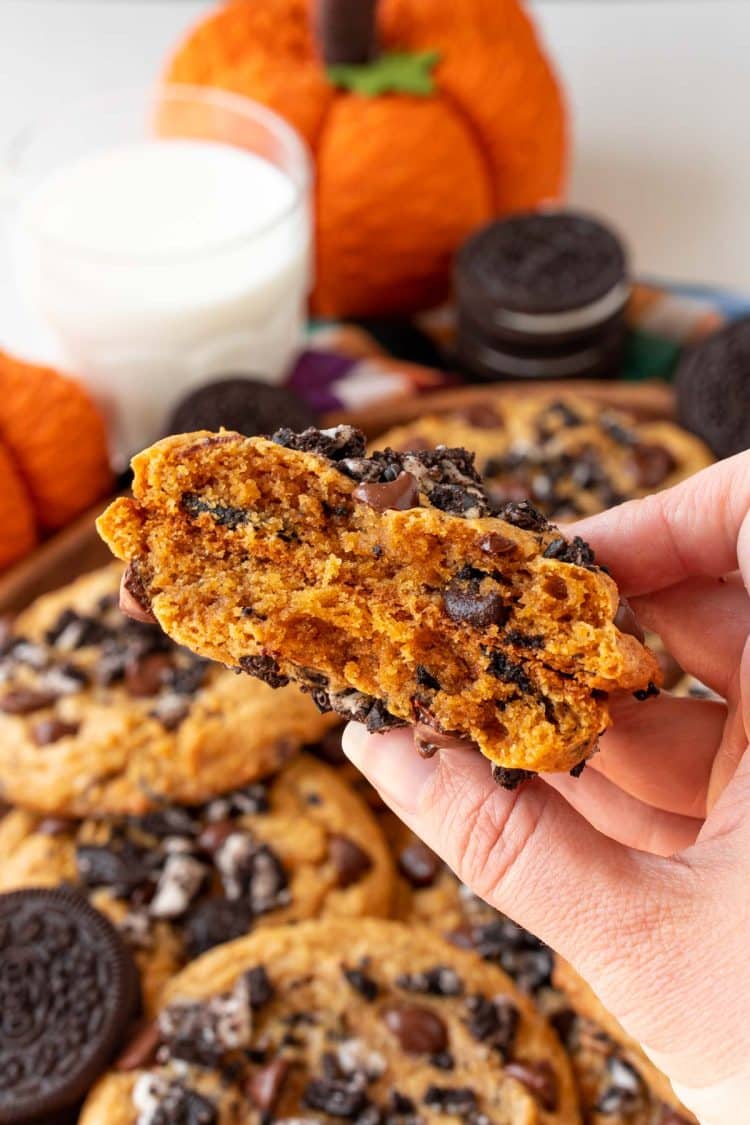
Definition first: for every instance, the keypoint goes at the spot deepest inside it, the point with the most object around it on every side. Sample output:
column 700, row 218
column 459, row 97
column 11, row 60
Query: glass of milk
column 165, row 238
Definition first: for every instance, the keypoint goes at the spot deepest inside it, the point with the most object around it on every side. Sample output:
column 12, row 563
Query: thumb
column 530, row 855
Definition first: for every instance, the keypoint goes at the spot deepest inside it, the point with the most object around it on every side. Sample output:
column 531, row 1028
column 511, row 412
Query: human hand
column 638, row 872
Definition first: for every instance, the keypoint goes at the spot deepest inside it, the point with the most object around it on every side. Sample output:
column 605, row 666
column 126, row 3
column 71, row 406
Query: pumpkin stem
column 346, row 31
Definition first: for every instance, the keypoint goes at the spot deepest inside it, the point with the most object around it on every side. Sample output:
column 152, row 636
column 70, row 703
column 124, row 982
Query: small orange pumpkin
column 17, row 521
column 402, row 177
column 54, row 453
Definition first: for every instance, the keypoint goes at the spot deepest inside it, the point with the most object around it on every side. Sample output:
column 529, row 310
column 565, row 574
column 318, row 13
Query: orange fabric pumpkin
column 401, row 179
column 17, row 522
column 57, row 439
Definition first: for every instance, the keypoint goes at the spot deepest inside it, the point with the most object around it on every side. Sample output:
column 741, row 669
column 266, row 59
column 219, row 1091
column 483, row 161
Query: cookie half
column 178, row 881
column 358, row 1021
column 384, row 587
column 102, row 714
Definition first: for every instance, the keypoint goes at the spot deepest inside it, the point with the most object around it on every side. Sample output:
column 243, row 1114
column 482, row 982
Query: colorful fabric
column 349, row 366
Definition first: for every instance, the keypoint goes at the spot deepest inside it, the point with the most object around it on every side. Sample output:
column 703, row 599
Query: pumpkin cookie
column 384, row 587
column 101, row 714
column 618, row 1084
column 180, row 880
column 367, row 1022
column 569, row 456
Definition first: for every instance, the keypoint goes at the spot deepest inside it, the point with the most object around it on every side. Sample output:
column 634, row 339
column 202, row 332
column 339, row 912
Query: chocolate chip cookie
column 385, row 587
column 567, row 455
column 180, row 880
column 618, row 1084
column 369, row 1022
column 103, row 714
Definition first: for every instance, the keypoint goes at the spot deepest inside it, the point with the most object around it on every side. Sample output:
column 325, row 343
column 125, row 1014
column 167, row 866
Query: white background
column 660, row 93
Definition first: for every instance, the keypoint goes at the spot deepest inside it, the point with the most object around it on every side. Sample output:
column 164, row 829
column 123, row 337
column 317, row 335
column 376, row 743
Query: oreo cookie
column 542, row 295
column 713, row 389
column 239, row 403
column 68, row 992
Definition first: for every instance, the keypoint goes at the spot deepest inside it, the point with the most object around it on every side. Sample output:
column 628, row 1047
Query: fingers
column 528, row 853
column 662, row 752
column 686, row 531
column 624, row 818
column 704, row 623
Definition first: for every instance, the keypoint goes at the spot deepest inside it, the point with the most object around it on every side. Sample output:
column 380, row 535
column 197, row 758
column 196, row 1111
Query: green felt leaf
column 398, row 73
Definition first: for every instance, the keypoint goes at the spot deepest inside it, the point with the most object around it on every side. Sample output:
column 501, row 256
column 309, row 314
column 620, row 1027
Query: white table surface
column 660, row 94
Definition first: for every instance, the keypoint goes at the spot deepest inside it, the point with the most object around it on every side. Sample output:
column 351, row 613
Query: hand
column 639, row 871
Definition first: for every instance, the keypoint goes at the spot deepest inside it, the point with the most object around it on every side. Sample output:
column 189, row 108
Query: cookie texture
column 101, row 714
column 384, row 586
column 362, row 1022
column 178, row 881
column 618, row 1084
column 567, row 455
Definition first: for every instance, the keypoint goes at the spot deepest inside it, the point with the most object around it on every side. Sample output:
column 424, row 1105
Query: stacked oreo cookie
column 542, row 296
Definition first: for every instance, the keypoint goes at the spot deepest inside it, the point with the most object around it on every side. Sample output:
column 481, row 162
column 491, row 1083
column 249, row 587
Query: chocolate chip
column 627, row 622
column 496, row 544
column 428, row 741
column 509, row 778
column 25, row 701
column 481, row 416
column 265, row 1085
column 419, row 864
column 509, row 672
column 264, row 668
column 538, row 1077
column 437, row 981
column 671, row 671
column 418, row 1030
column 652, row 464
column 425, row 678
column 578, row 769
column 134, row 600
column 457, row 1101
column 362, row 983
column 555, row 586
column 396, row 495
column 466, row 603
column 48, row 731
column 648, row 692
column 494, row 1022
column 147, row 675
column 141, row 1050
column 349, row 859
column 259, row 987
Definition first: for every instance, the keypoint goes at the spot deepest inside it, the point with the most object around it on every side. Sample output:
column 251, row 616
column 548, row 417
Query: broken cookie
column 383, row 585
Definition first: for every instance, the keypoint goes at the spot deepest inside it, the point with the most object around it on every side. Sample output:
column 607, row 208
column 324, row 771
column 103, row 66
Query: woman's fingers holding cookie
column 624, row 818
column 704, row 623
column 692, row 529
column 529, row 853
column 663, row 751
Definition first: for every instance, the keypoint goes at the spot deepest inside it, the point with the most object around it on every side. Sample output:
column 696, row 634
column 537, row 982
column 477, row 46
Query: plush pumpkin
column 425, row 118
column 54, row 440
column 17, row 520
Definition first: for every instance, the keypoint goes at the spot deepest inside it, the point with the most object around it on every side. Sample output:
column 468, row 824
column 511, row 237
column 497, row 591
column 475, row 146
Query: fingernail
column 391, row 763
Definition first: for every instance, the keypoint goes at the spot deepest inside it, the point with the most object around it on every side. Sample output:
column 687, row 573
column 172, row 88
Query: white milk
column 160, row 263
